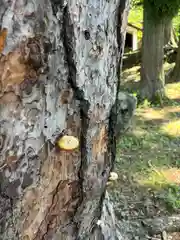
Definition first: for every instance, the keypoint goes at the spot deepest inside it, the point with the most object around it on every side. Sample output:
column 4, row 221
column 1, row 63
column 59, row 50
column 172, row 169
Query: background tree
column 156, row 15
column 175, row 74
column 58, row 66
column 169, row 34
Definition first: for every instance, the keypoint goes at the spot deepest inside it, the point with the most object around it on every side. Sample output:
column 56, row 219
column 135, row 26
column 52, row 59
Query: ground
column 148, row 162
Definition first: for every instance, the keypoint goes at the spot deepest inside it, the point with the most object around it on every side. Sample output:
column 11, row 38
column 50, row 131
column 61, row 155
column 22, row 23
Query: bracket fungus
column 68, row 143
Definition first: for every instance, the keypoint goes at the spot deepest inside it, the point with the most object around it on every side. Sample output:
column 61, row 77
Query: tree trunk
column 169, row 34
column 58, row 71
column 175, row 74
column 152, row 73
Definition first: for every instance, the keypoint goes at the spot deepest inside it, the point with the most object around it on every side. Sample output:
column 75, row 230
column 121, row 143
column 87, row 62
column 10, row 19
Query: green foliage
column 162, row 9
column 176, row 24
column 172, row 197
column 136, row 3
column 136, row 13
column 136, row 18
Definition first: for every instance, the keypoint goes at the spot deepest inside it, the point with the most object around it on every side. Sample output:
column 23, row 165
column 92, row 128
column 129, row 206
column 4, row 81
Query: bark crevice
column 69, row 43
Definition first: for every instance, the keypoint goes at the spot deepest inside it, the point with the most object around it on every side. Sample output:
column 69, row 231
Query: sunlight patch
column 173, row 91
column 160, row 177
column 171, row 109
column 172, row 128
column 151, row 114
column 132, row 70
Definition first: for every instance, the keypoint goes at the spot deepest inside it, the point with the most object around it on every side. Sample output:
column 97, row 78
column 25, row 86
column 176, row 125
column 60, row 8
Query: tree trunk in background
column 175, row 74
column 152, row 73
column 58, row 73
column 169, row 34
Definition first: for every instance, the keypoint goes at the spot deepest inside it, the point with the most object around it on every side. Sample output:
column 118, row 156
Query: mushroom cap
column 113, row 176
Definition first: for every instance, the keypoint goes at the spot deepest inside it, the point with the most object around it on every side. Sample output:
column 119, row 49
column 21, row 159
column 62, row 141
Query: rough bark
column 152, row 73
column 58, row 71
column 174, row 76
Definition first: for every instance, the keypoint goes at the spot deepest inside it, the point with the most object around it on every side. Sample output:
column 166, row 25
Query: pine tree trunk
column 152, row 73
column 58, row 73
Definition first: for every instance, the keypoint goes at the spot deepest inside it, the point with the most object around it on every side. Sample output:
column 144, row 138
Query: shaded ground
column 148, row 163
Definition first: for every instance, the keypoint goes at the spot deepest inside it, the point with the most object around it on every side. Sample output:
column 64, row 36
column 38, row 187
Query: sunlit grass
column 165, row 184
column 160, row 178
column 150, row 113
column 173, row 90
column 149, row 154
column 172, row 128
column 148, row 157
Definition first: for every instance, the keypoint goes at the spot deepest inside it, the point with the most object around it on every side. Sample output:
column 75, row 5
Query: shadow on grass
column 171, row 102
column 175, row 113
column 154, row 122
column 140, row 153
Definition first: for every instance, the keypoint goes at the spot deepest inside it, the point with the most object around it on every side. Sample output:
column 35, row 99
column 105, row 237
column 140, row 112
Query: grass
column 148, row 157
column 172, row 128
